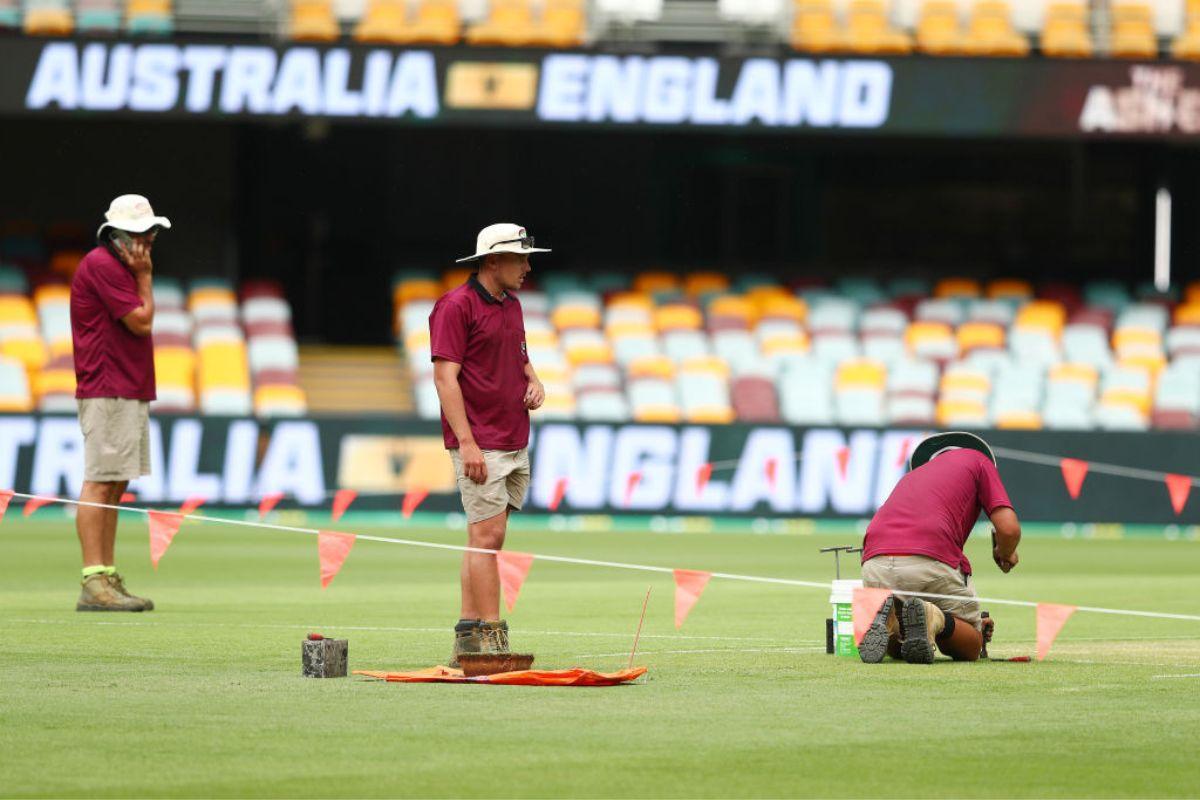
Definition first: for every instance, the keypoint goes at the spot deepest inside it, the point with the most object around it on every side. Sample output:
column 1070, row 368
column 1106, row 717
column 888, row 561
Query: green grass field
column 203, row 697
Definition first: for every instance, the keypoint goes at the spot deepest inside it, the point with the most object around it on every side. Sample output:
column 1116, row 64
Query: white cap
column 132, row 213
column 503, row 237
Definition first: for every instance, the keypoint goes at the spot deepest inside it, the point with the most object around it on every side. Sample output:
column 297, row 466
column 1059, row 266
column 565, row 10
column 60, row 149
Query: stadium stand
column 48, row 18
column 706, row 348
column 151, row 17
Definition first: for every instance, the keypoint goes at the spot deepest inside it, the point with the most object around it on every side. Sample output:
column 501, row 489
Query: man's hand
column 535, row 395
column 136, row 256
column 1005, row 564
column 474, row 467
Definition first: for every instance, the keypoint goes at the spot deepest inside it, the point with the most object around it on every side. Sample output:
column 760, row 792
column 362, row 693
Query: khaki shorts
column 507, row 481
column 116, row 438
column 924, row 574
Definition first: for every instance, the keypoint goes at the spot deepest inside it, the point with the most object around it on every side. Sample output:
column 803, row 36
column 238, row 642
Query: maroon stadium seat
column 754, row 400
column 1174, row 420
column 260, row 288
column 256, row 329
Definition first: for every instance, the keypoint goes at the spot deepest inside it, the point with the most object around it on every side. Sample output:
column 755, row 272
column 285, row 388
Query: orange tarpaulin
column 529, row 677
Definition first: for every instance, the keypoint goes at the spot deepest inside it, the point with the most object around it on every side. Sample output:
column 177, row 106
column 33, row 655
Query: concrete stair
column 353, row 380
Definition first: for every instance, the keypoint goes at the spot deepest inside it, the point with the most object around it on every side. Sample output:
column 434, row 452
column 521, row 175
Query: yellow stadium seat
column 957, row 287
column 29, row 351
column 537, row 338
column 1065, row 31
column 223, row 365
column 1186, row 46
column 1019, row 420
column 705, row 365
column 54, row 380
column 733, row 305
column 1133, row 338
column 1046, row 315
column 211, row 296
column 677, row 318
column 383, row 22
column 1005, row 288
column 416, row 289
column 1191, row 292
column 590, row 353
column 1133, row 33
column 1188, row 313
column 960, row 412
column 313, row 21
column 973, row 335
column 1069, row 372
column 637, row 300
column 436, row 22
column 1152, row 363
column 698, row 283
column 651, row 367
column 991, row 32
column 16, row 309
column 962, row 383
column 563, row 24
column 869, row 31
column 648, row 282
column 455, row 278
column 567, row 317
column 924, row 331
column 784, row 343
column 61, row 347
column 860, row 373
column 51, row 293
column 939, row 30
column 418, row 338
column 657, row 413
column 554, row 373
column 815, row 28
column 711, row 415
column 280, row 398
column 49, row 22
column 629, row 329
column 1120, row 396
column 782, row 306
column 509, row 24
column 175, row 366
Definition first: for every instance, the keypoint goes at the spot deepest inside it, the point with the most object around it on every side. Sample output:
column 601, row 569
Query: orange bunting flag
column 1050, row 620
column 6, row 496
column 703, row 476
column 560, row 491
column 342, row 499
column 843, row 460
column 513, row 567
column 866, row 604
column 191, row 504
column 333, row 547
column 689, row 584
column 413, row 498
column 631, row 484
column 1074, row 471
column 128, row 497
column 163, row 527
column 268, row 502
column 902, row 459
column 1179, row 487
column 771, row 468
column 34, row 503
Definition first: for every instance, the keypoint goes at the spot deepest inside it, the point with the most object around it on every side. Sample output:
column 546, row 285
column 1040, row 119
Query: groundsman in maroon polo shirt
column 112, row 312
column 915, row 543
column 487, row 388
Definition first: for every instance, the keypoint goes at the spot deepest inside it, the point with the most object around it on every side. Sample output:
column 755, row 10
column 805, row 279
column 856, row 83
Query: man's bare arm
column 445, row 378
column 1006, row 535
column 137, row 258
column 535, row 393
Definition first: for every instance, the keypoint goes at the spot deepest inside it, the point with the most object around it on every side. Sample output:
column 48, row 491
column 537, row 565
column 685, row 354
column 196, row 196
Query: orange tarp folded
column 529, row 677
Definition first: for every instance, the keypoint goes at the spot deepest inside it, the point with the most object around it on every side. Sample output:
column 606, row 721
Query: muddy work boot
column 99, row 595
column 466, row 640
column 874, row 644
column 118, row 583
column 921, row 622
column 494, row 636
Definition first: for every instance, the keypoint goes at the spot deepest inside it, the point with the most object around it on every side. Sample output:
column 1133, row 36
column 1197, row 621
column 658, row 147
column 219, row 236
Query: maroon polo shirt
column 110, row 359
column 933, row 508
column 486, row 337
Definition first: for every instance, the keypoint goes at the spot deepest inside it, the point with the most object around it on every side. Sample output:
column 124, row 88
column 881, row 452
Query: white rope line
column 1093, row 466
column 586, row 561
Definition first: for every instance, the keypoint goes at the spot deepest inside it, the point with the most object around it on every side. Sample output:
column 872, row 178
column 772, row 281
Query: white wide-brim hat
column 503, row 237
column 132, row 213
column 938, row 443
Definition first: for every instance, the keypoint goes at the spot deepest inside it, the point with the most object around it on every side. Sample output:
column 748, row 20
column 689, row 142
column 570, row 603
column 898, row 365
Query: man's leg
column 483, row 574
column 109, row 540
column 91, row 524
column 960, row 640
column 468, row 610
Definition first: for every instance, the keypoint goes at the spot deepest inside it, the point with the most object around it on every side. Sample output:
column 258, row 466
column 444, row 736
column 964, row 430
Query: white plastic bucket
column 842, row 599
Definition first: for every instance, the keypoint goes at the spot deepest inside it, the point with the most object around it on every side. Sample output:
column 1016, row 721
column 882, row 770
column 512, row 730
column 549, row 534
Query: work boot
column 466, row 640
column 99, row 595
column 874, row 644
column 921, row 622
column 494, row 636
column 118, row 583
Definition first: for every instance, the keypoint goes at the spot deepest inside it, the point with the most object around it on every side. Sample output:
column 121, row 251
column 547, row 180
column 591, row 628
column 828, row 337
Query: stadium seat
column 949, row 311
column 650, row 366
column 313, row 21
column 974, row 335
column 885, row 348
column 602, row 406
column 675, row 317
column 754, row 399
column 805, row 392
column 883, row 320
column 751, row 12
column 914, row 378
column 1132, row 33
column 1009, row 289
column 27, row 348
column 1087, row 344
column 868, row 30
column 837, row 316
column 1065, row 32
column 226, row 402
column 49, row 18
column 280, row 401
column 1186, row 46
column 734, row 346
column 383, row 22
column 275, row 353
column 591, row 377
column 931, row 340
column 704, row 398
column 958, row 287
column 509, row 23
column 15, row 396
column 582, row 346
column 962, row 382
column 1018, row 420
column 814, row 27
column 563, row 23
column 682, row 345
column 94, row 17
column 698, row 284
column 653, row 400
column 10, row 15
column 437, row 22
column 910, row 410
column 991, row 32
column 735, row 310
column 223, row 365
column 962, row 414
column 150, row 17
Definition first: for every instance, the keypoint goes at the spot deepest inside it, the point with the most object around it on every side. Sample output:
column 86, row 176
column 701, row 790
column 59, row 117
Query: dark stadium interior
column 331, row 209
